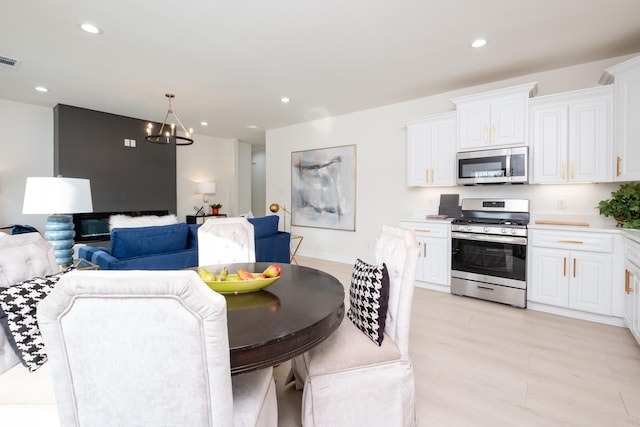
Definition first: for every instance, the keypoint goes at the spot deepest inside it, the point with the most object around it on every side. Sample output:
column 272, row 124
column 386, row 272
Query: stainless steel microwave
column 498, row 166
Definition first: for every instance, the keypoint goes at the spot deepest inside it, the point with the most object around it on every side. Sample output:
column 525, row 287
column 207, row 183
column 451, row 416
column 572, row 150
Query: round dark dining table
column 273, row 325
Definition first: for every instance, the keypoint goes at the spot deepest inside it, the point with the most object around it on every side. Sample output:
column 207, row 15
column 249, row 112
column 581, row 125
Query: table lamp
column 206, row 188
column 58, row 197
column 274, row 207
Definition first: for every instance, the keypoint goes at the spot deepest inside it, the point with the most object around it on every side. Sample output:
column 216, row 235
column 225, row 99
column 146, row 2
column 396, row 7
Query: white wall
column 258, row 189
column 26, row 150
column 382, row 194
column 208, row 159
column 244, row 178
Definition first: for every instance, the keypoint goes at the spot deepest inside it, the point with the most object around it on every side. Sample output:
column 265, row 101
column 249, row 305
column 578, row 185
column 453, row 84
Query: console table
column 193, row 219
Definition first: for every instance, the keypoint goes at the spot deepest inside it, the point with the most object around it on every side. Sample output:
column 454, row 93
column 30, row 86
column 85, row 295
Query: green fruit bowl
column 234, row 285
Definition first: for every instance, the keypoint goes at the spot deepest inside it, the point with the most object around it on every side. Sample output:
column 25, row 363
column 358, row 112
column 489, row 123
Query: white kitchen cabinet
column 494, row 119
column 575, row 270
column 632, row 287
column 572, row 279
column 571, row 136
column 434, row 258
column 626, row 110
column 431, row 148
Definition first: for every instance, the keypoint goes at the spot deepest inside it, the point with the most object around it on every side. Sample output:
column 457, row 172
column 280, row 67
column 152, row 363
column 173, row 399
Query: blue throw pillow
column 140, row 241
column 264, row 226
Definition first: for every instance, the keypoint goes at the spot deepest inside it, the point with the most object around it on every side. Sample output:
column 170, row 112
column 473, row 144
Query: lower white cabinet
column 572, row 279
column 575, row 270
column 632, row 287
column 434, row 258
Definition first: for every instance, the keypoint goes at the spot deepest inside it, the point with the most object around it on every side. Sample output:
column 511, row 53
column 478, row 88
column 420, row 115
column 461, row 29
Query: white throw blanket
column 124, row 221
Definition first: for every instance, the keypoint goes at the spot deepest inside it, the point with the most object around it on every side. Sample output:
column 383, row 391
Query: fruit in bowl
column 272, row 271
column 241, row 281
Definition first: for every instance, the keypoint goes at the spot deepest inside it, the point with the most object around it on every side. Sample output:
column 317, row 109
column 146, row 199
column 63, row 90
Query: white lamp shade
column 46, row 195
column 205, row 187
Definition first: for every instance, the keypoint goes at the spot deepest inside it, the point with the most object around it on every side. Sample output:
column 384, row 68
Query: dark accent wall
column 91, row 144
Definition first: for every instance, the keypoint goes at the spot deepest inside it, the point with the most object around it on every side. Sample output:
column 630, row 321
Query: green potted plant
column 624, row 205
column 215, row 208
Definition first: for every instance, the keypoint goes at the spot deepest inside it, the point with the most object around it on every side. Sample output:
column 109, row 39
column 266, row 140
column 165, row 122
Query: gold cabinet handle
column 618, row 161
column 426, row 175
column 573, row 175
column 574, row 267
column 626, row 281
column 484, row 135
column 493, row 133
column 422, row 230
column 432, row 175
column 425, row 249
column 577, row 242
column 563, row 170
column 564, row 269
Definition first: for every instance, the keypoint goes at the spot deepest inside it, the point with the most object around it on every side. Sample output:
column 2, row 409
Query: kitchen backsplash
column 562, row 200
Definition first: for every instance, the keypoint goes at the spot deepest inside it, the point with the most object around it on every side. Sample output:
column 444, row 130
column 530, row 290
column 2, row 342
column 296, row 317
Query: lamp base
column 60, row 233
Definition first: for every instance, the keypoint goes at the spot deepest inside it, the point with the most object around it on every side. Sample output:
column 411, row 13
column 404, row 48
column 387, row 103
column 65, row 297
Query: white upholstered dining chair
column 226, row 240
column 348, row 379
column 147, row 348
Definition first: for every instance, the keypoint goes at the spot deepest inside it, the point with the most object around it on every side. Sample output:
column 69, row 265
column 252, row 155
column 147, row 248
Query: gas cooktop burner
column 505, row 217
column 490, row 221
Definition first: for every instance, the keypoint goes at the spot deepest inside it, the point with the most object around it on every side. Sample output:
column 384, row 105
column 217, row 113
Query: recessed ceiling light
column 479, row 43
column 41, row 89
column 204, row 124
column 90, row 28
column 285, row 100
column 252, row 127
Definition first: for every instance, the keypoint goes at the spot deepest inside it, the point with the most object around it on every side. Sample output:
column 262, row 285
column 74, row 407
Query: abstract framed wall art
column 323, row 188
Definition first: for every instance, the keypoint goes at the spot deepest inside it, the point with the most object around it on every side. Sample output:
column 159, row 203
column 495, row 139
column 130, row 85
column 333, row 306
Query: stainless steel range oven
column 489, row 250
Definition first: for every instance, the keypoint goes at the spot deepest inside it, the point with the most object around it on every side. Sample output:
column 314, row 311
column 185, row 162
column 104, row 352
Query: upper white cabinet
column 431, row 151
column 626, row 125
column 571, row 136
column 494, row 119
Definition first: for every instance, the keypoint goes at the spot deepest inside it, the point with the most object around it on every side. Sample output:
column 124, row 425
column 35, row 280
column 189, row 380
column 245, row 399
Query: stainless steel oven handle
column 489, row 238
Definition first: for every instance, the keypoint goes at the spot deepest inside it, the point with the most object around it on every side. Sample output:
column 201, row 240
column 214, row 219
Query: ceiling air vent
column 8, row 61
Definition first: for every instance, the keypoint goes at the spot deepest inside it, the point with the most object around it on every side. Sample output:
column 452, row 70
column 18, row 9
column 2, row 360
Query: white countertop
column 429, row 220
column 632, row 234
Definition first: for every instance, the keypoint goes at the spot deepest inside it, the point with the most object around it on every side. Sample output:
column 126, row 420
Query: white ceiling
column 230, row 61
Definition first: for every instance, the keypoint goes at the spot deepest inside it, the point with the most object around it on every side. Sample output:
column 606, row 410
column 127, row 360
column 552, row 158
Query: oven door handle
column 489, row 238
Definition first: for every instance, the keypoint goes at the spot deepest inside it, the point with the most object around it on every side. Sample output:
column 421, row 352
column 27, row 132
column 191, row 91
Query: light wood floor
column 485, row 364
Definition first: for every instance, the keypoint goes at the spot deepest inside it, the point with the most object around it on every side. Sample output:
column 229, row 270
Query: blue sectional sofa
column 175, row 246
column 271, row 245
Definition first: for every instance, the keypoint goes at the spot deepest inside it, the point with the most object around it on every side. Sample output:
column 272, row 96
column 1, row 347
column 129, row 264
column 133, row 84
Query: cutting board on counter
column 562, row 222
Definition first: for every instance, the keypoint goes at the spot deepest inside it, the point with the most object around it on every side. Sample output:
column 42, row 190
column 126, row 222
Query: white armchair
column 347, row 379
column 147, row 348
column 226, row 240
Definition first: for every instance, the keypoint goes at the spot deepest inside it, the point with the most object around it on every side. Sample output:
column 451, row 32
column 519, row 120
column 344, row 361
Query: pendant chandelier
column 170, row 135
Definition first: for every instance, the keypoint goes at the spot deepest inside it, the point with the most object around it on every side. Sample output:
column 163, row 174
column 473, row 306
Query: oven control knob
column 486, row 229
column 514, row 230
column 504, row 230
